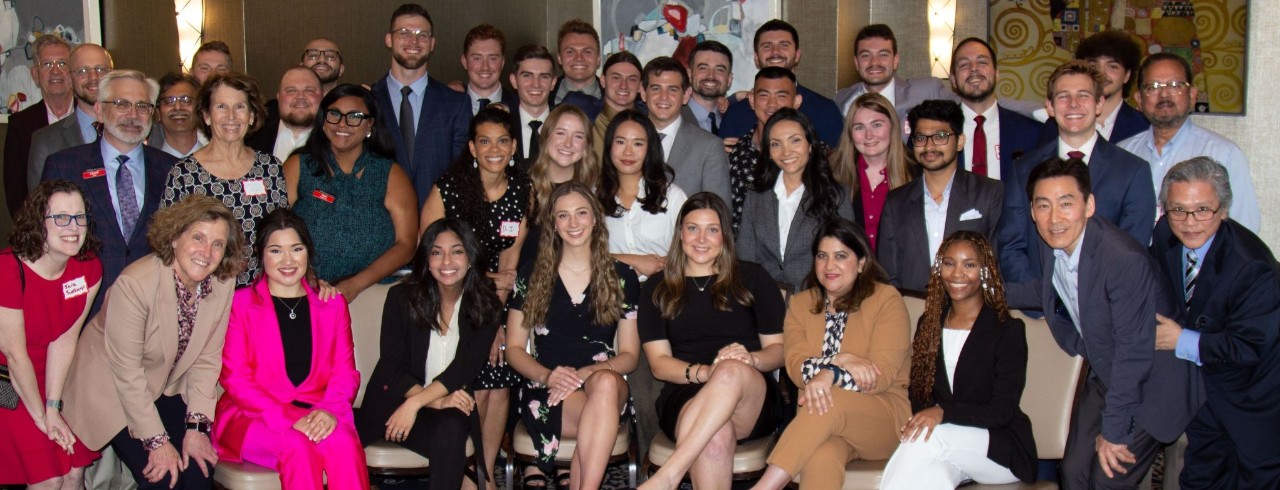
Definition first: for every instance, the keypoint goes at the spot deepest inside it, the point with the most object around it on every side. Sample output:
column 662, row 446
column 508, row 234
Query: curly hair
column 29, row 237
column 844, row 161
column 480, row 304
column 852, row 236
column 170, row 223
column 586, row 170
column 605, row 286
column 924, row 349
column 653, row 170
column 234, row 81
column 669, row 295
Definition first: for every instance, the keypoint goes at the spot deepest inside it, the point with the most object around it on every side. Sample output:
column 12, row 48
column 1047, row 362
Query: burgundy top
column 872, row 200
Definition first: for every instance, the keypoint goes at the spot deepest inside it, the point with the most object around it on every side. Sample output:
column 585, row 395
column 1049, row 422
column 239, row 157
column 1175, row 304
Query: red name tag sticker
column 254, row 187
column 74, row 287
column 509, row 229
column 323, row 196
column 93, row 173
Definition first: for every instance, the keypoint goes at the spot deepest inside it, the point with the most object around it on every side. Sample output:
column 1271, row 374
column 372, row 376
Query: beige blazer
column 125, row 356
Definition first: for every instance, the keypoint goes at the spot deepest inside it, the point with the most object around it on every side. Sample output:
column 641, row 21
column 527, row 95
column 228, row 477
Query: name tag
column 74, row 287
column 323, row 196
column 254, row 187
column 997, row 153
column 509, row 229
column 93, row 173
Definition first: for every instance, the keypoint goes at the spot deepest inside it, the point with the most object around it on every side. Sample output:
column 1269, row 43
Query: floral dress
column 572, row 338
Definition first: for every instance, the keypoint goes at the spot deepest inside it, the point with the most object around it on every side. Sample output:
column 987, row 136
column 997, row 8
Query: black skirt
column 674, row 397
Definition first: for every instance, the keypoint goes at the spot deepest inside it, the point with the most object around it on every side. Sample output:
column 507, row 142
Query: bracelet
column 51, row 403
column 697, row 375
column 686, row 373
column 607, row 363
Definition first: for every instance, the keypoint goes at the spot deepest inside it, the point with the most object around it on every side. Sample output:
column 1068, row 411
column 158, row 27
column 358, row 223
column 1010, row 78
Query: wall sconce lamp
column 190, row 18
column 942, row 32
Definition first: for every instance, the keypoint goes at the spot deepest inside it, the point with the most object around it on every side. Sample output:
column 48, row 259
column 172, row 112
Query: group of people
column 578, row 250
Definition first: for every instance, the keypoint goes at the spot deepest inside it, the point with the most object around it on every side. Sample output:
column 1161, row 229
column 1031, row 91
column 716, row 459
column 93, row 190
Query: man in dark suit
column 1121, row 181
column 122, row 178
column 175, row 130
column 992, row 133
column 778, row 44
column 483, row 56
column 876, row 56
column 696, row 156
column 428, row 120
column 1115, row 55
column 291, row 116
column 578, row 53
column 88, row 64
column 913, row 227
column 1101, row 290
column 532, row 78
column 1230, row 298
column 52, row 74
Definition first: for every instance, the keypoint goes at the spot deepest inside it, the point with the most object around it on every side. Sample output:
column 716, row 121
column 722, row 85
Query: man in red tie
column 994, row 136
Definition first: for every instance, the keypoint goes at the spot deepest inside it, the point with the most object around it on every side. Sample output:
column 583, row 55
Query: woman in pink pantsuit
column 289, row 371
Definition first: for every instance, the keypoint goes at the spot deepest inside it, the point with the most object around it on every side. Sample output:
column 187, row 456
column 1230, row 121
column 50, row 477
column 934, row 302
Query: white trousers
column 954, row 454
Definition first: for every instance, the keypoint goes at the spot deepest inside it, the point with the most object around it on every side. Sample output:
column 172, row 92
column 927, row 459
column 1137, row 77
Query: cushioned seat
column 519, row 448
column 245, row 476
column 523, row 444
column 748, row 458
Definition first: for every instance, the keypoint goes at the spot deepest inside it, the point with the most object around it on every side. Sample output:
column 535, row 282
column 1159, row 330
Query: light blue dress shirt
column 419, row 87
column 1188, row 347
column 86, row 120
column 137, row 170
column 1066, row 274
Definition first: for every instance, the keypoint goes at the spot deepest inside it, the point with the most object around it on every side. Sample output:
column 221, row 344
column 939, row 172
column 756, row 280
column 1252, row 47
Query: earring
column 475, row 163
column 982, row 276
column 512, row 162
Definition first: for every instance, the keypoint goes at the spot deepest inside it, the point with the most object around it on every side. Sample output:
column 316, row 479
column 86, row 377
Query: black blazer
column 17, row 149
column 264, row 140
column 1128, row 123
column 403, row 362
column 990, row 377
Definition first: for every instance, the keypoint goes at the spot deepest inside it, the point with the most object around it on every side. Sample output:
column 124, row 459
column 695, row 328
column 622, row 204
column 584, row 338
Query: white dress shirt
column 641, row 233
column 1086, row 148
column 443, row 348
column 935, row 217
column 287, row 141
column 526, row 134
column 668, row 137
column 788, row 206
column 992, row 129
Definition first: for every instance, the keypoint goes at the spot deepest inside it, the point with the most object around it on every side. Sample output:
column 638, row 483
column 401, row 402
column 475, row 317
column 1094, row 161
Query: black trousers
column 441, row 437
column 1228, row 450
column 173, row 414
column 1080, row 468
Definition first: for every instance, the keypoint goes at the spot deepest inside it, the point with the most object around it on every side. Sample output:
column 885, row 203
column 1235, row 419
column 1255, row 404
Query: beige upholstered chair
column 519, row 449
column 748, row 458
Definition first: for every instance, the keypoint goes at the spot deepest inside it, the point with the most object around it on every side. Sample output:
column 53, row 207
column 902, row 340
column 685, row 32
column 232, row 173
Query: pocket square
column 971, row 214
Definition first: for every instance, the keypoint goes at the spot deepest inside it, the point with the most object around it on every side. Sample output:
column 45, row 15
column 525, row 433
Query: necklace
column 576, row 270
column 292, row 315
column 703, row 286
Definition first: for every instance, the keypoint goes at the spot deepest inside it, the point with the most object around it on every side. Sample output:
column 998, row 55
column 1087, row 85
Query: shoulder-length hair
column 586, row 170
column 318, row 145
column 279, row 220
column 844, row 162
column 29, row 236
column 170, row 223
column 822, row 195
column 653, row 171
column 669, row 294
column 464, row 175
column 924, row 348
column 235, row 81
column 480, row 305
column 606, row 288
column 851, row 235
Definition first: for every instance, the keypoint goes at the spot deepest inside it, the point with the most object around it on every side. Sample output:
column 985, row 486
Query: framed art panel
column 77, row 21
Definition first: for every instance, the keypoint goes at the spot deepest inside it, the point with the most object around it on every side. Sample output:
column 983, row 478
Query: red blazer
column 253, row 372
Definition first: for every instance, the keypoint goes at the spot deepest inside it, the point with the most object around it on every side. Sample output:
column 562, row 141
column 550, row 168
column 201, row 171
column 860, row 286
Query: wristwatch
column 51, row 403
column 201, row 427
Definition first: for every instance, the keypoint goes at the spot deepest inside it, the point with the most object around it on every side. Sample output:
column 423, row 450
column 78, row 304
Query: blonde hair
column 586, row 170
column 844, row 161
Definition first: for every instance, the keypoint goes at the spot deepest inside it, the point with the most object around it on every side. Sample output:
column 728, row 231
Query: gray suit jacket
column 907, row 93
column 758, row 239
column 903, row 245
column 699, row 161
column 49, row 140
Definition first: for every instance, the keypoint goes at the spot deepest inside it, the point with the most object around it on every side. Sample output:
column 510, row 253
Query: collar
column 890, row 90
column 672, row 128
column 1108, row 123
column 780, row 190
column 109, row 154
column 53, row 118
column 992, row 113
column 946, row 191
column 1204, row 249
column 700, row 113
column 525, row 117
column 419, row 86
column 1072, row 260
column 1086, row 148
column 496, row 96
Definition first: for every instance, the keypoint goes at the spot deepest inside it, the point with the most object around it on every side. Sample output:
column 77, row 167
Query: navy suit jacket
column 820, row 110
column 1128, row 123
column 17, row 148
column 442, row 132
column 1122, row 194
column 1018, row 136
column 117, row 250
column 1236, row 309
column 1120, row 292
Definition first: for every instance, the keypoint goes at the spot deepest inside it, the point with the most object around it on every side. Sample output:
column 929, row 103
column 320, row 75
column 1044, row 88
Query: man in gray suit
column 697, row 156
column 946, row 198
column 876, row 51
column 88, row 63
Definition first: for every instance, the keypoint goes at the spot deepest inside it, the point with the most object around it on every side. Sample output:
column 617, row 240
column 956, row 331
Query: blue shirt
column 700, row 116
column 86, row 120
column 137, row 170
column 1188, row 347
column 1066, row 273
column 419, row 87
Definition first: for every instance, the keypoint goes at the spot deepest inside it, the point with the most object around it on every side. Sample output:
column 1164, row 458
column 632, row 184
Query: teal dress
column 346, row 215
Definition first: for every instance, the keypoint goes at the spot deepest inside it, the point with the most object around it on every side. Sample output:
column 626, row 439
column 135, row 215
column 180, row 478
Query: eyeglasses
column 939, row 138
column 48, row 65
column 405, row 34
column 1202, row 214
column 353, row 118
column 83, row 72
column 65, row 219
column 1176, row 87
column 173, row 100
column 328, row 54
column 122, row 105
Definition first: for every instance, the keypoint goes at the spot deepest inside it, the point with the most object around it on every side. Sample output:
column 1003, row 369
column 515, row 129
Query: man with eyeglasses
column 291, row 116
column 52, row 74
column 428, row 120
column 1228, row 287
column 323, row 57
column 1121, row 182
column 1166, row 96
column 88, row 63
column 175, row 117
column 945, row 198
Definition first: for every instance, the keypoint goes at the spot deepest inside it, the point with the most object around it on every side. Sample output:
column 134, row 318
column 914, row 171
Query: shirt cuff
column 1188, row 347
column 153, row 443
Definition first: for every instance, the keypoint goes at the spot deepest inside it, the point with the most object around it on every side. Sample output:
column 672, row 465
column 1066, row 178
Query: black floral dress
column 572, row 338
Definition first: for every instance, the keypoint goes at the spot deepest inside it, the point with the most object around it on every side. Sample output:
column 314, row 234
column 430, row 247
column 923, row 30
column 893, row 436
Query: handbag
column 8, row 396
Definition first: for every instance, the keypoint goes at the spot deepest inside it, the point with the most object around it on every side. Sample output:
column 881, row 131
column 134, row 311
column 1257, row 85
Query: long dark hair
column 653, row 171
column 669, row 295
column 852, row 236
column 284, row 219
column 464, row 176
column 480, row 305
column 379, row 142
column 822, row 192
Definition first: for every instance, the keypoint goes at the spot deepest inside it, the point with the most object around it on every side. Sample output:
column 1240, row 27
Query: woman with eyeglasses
column 359, row 204
column 48, row 280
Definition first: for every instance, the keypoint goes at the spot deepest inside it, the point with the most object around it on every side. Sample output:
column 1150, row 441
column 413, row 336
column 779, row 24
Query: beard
column 409, row 63
column 118, row 131
column 974, row 96
column 711, row 93
column 327, row 79
column 298, row 119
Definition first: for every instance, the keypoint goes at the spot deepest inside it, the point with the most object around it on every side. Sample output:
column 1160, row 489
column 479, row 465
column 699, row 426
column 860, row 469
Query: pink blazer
column 253, row 372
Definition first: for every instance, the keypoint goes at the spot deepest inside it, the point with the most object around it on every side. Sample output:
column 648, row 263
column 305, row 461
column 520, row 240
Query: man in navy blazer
column 1115, row 55
column 1230, row 298
column 1121, row 181
column 440, row 115
column 96, row 168
column 1006, row 135
column 1102, row 292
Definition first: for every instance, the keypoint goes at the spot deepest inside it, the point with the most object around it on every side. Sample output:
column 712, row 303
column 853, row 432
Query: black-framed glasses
column 315, row 55
column 405, row 34
column 65, row 219
column 353, row 118
column 1176, row 87
column 83, row 71
column 939, row 138
column 50, row 64
column 173, row 100
column 122, row 105
column 1202, row 214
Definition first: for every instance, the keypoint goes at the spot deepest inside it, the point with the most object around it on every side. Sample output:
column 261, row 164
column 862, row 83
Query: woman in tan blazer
column 847, row 345
column 147, row 365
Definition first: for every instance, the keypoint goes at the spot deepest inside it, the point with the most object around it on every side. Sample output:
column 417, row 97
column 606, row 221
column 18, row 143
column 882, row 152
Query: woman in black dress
column 712, row 330
column 573, row 300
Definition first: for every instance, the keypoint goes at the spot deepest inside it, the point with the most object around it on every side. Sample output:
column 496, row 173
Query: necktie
column 1189, row 277
column 534, row 146
column 483, row 103
column 1078, row 155
column 715, row 128
column 979, row 146
column 97, row 130
column 407, row 132
column 127, row 196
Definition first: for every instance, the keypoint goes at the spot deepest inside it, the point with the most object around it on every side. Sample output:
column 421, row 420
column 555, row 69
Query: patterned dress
column 570, row 337
column 742, row 168
column 347, row 215
column 250, row 197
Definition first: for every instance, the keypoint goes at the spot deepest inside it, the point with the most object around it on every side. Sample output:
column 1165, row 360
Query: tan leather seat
column 520, row 449
column 749, row 458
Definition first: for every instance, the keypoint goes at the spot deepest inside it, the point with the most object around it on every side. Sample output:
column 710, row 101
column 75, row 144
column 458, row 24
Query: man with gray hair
column 1227, row 283
column 88, row 63
column 52, row 74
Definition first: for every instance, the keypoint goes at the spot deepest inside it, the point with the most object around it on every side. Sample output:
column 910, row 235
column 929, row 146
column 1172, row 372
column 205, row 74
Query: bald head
column 323, row 56
column 88, row 63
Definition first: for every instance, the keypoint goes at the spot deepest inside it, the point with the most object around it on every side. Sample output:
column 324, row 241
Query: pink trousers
column 303, row 464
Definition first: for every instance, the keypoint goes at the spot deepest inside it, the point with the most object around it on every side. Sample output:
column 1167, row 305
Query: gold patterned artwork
column 1032, row 37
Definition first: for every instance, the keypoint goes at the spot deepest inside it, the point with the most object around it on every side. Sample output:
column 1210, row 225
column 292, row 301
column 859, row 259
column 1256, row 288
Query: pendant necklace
column 703, row 286
column 292, row 314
